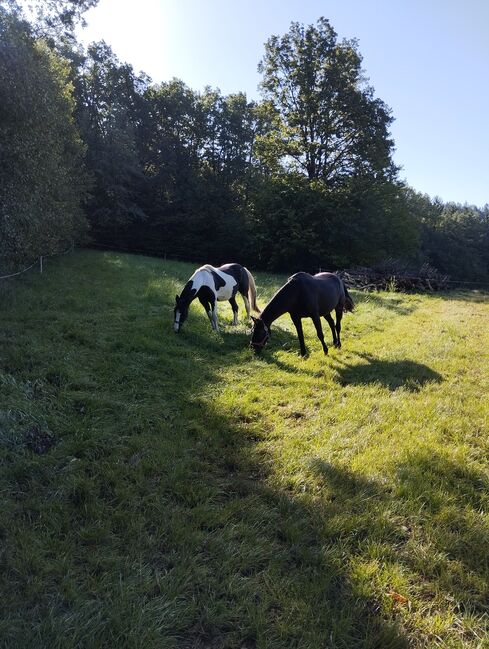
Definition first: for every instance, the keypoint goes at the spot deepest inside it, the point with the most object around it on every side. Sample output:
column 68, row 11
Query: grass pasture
column 163, row 491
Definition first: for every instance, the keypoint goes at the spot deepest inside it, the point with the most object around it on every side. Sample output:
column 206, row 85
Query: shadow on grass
column 393, row 375
column 442, row 542
column 477, row 296
column 156, row 520
column 285, row 340
column 454, row 497
column 391, row 301
column 153, row 518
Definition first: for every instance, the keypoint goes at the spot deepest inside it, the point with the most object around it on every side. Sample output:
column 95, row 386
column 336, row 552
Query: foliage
column 57, row 19
column 301, row 179
column 108, row 98
column 42, row 182
column 297, row 224
column 176, row 491
column 331, row 127
column 454, row 238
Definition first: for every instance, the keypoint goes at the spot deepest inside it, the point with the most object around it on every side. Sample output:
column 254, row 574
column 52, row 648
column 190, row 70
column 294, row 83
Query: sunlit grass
column 198, row 496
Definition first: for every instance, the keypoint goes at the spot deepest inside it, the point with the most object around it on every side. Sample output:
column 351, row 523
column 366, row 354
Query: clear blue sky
column 427, row 59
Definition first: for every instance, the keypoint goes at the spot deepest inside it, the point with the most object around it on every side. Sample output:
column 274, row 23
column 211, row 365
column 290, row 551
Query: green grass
column 197, row 496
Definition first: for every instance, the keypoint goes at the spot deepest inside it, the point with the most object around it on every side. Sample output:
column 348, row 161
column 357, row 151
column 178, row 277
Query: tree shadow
column 454, row 496
column 159, row 504
column 406, row 374
column 174, row 530
column 429, row 520
column 477, row 296
column 390, row 301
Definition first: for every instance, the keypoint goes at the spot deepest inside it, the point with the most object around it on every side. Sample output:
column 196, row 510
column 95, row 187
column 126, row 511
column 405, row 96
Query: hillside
column 175, row 491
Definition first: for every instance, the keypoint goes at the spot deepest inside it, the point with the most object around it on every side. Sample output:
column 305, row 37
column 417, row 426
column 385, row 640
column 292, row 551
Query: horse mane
column 206, row 267
column 298, row 275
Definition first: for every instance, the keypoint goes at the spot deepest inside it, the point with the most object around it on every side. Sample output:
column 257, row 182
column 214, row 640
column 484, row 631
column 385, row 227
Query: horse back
column 239, row 274
column 301, row 293
column 331, row 292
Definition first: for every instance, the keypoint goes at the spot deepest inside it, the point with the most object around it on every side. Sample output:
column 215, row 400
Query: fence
column 162, row 254
column 39, row 261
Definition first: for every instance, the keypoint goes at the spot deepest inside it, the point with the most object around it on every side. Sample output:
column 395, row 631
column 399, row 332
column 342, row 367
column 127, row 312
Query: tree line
column 301, row 179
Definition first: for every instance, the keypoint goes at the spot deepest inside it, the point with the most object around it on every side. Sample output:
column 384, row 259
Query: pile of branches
column 395, row 276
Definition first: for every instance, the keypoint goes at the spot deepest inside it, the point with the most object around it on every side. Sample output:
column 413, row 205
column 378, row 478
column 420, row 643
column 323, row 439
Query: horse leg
column 247, row 304
column 215, row 324
column 206, row 304
column 319, row 330
column 339, row 315
column 300, row 334
column 330, row 321
column 234, row 307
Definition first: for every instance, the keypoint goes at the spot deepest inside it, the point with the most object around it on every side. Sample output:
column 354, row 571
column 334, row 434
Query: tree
column 57, row 19
column 109, row 107
column 42, row 179
column 330, row 126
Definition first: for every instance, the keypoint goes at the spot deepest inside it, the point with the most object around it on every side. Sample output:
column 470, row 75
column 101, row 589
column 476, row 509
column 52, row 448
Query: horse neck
column 190, row 289
column 278, row 305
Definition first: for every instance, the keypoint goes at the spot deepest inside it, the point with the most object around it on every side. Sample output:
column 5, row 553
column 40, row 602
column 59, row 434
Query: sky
column 428, row 60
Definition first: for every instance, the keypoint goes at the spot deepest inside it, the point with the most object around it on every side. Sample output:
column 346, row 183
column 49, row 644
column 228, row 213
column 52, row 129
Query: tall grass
column 176, row 491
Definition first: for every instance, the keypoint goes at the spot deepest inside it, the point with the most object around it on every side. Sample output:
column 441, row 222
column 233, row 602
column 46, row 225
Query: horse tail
column 252, row 292
column 349, row 304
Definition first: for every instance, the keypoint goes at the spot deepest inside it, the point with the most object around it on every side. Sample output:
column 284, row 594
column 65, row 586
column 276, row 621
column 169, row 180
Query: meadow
column 175, row 491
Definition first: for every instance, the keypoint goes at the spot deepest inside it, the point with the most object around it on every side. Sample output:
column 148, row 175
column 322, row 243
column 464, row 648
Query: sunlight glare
column 137, row 31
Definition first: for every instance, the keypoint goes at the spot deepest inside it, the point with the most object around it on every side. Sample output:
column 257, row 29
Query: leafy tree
column 108, row 112
column 42, row 181
column 196, row 149
column 57, row 19
column 324, row 125
column 330, row 126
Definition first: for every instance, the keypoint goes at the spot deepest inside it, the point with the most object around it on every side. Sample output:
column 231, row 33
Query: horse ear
column 177, row 297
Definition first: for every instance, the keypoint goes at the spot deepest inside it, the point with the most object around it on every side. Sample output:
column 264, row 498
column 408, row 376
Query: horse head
column 180, row 313
column 259, row 335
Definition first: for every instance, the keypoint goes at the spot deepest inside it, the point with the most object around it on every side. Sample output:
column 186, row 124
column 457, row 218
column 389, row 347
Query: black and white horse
column 305, row 296
column 211, row 285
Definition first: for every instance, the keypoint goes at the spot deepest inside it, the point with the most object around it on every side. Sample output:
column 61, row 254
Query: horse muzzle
column 258, row 346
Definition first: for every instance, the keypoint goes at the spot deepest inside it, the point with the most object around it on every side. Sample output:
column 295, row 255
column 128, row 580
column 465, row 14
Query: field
column 164, row 491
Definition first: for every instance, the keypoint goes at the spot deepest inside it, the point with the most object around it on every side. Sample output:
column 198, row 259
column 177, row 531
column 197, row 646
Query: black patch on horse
column 218, row 280
column 239, row 274
column 205, row 293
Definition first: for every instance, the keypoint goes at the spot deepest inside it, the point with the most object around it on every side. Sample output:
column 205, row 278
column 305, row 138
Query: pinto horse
column 305, row 296
column 210, row 285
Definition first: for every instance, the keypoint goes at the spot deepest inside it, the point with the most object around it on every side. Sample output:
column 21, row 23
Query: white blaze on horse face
column 176, row 324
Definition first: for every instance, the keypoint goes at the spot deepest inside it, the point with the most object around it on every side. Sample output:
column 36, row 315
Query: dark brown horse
column 305, row 296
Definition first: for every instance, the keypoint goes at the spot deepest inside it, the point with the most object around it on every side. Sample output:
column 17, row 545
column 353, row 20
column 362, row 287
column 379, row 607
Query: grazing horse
column 210, row 285
column 305, row 296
